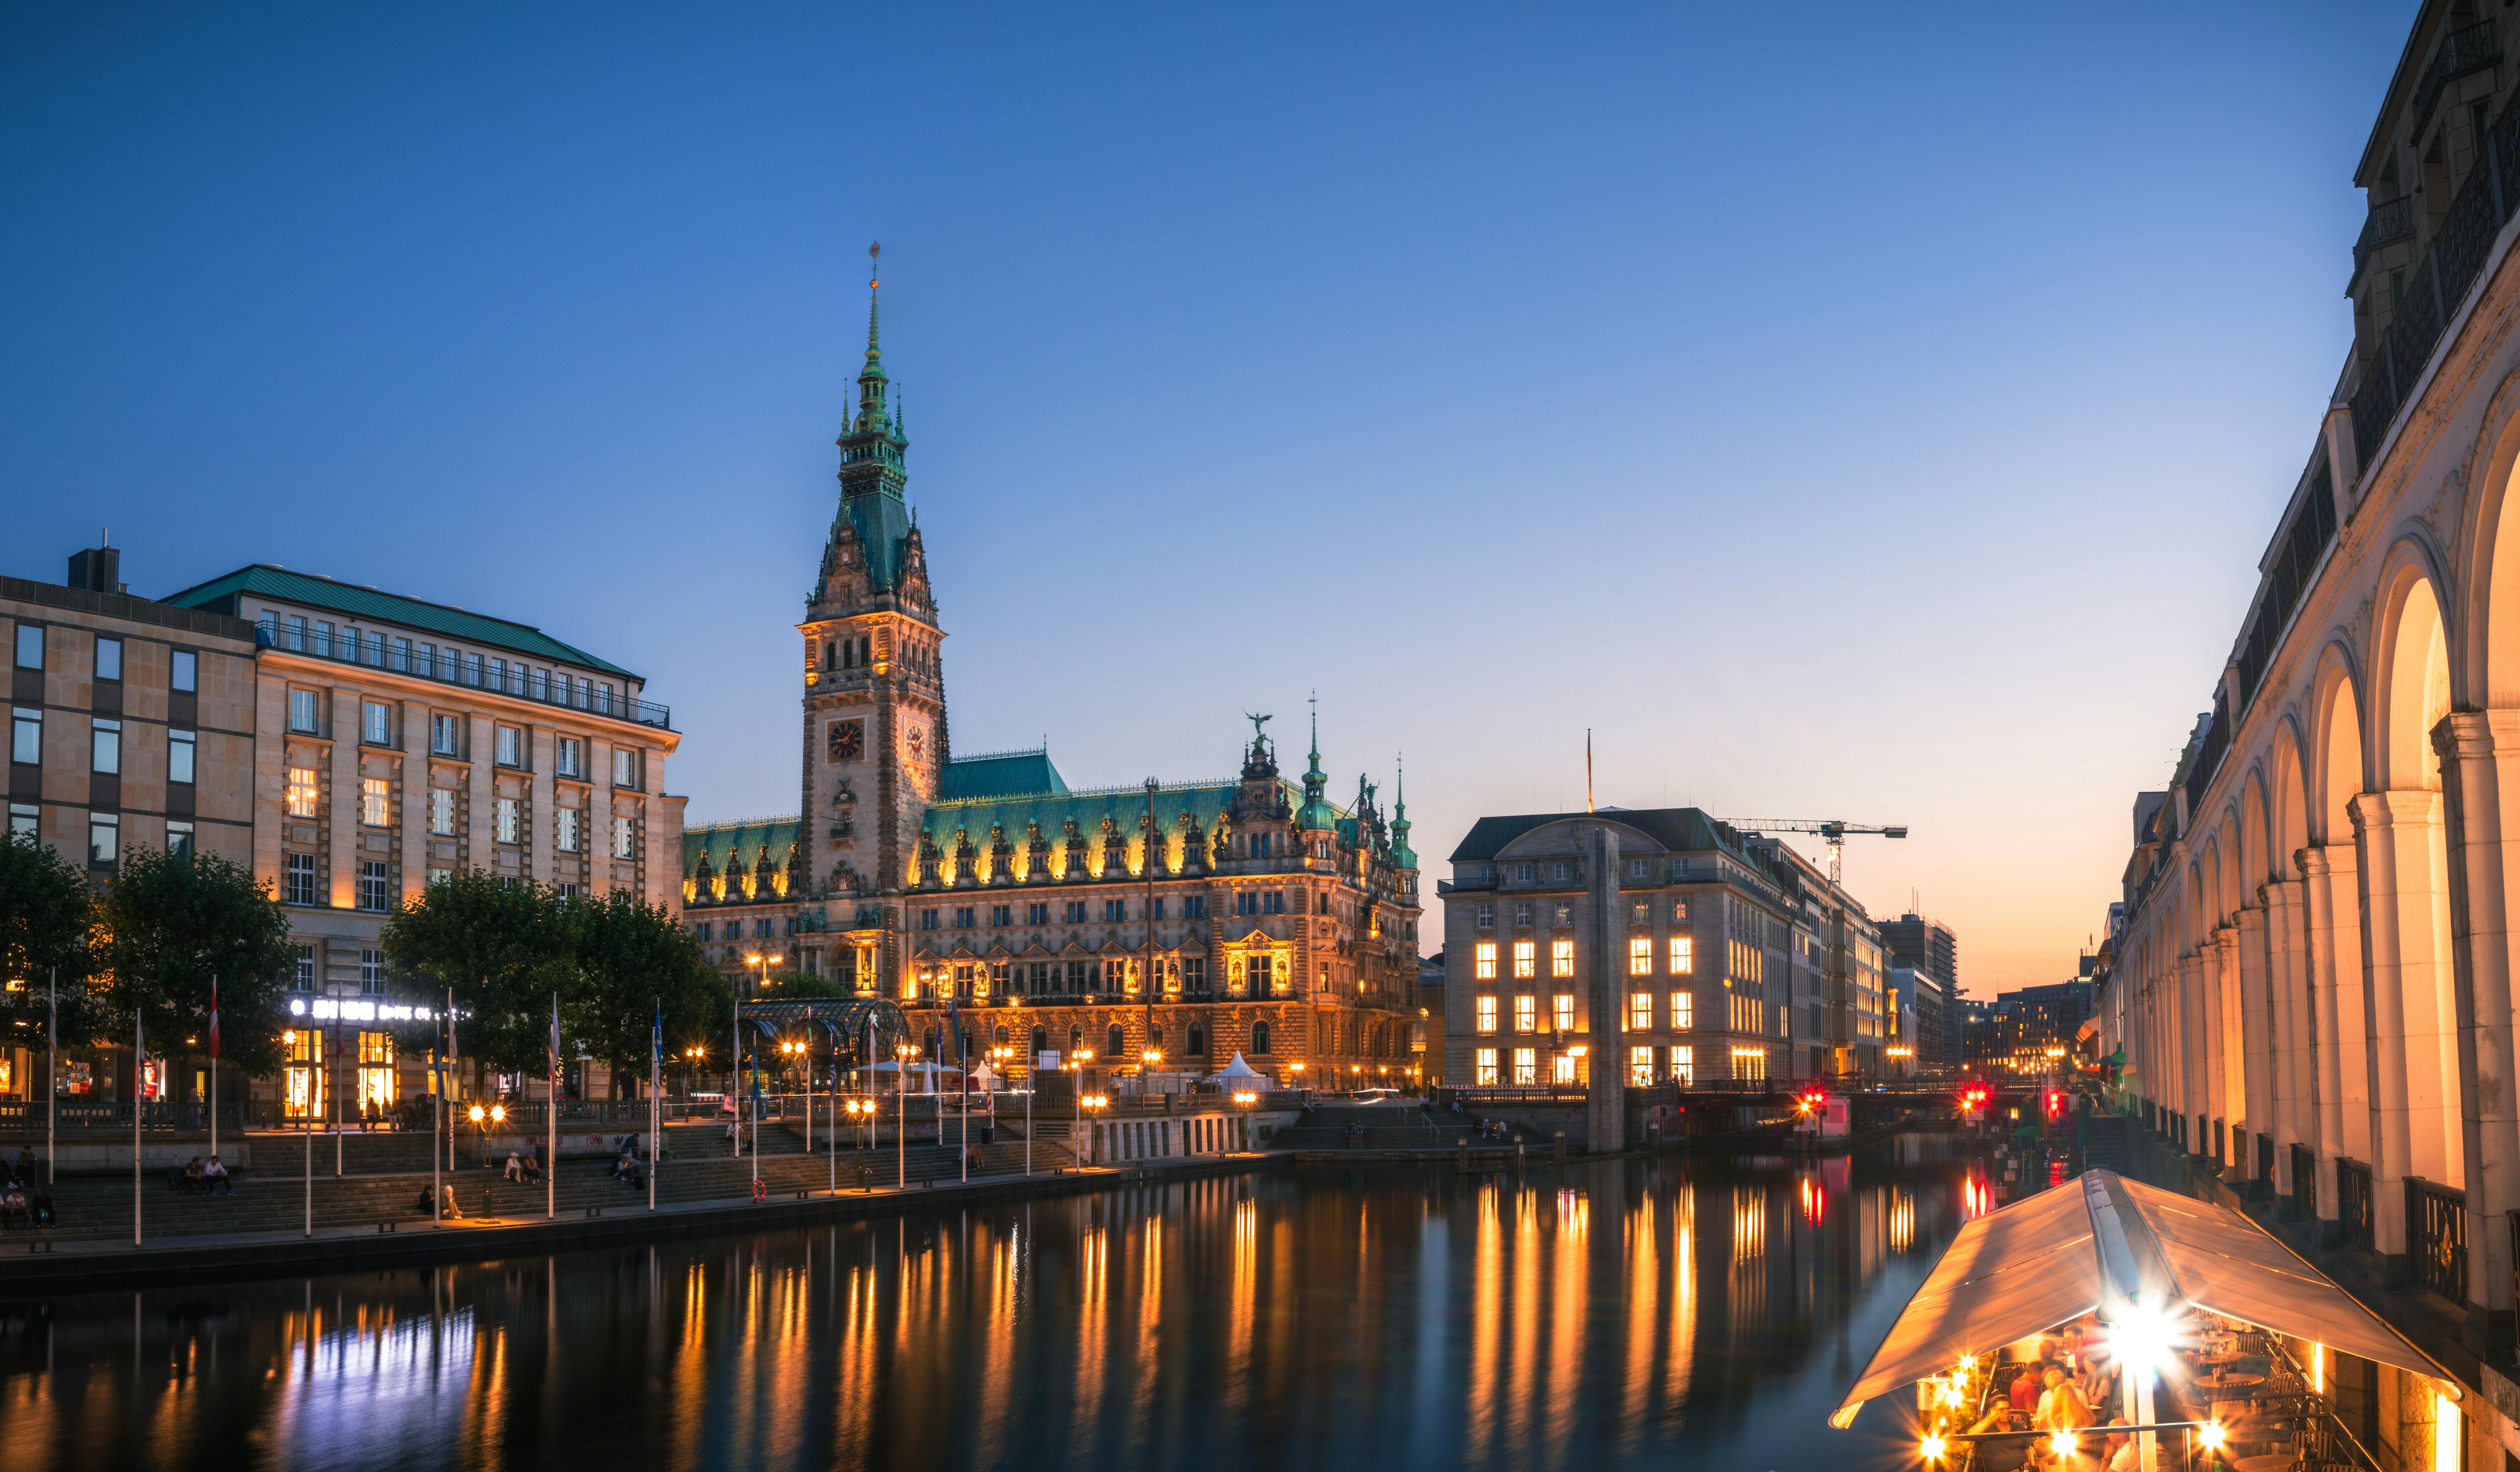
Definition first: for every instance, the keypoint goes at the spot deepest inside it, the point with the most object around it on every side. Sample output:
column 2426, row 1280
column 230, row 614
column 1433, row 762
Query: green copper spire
column 872, row 385
column 1317, row 812
column 874, row 478
column 1401, row 855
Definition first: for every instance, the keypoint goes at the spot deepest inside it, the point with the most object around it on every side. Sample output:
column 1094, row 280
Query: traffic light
column 2055, row 1103
column 1811, row 1099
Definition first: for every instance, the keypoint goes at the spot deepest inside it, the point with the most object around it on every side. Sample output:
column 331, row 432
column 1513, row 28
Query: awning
column 2103, row 1242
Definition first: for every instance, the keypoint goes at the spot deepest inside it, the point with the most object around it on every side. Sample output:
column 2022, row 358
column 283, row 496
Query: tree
column 47, row 929
column 799, row 986
column 634, row 964
column 502, row 946
column 173, row 922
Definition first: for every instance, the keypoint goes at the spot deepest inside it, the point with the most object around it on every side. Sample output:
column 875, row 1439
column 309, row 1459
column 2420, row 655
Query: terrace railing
column 2354, row 1202
column 546, row 687
column 2437, row 1238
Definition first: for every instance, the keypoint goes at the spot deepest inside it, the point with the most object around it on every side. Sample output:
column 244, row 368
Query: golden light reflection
column 1903, row 1219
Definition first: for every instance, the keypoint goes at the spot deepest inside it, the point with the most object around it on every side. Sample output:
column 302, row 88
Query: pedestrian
column 516, row 1167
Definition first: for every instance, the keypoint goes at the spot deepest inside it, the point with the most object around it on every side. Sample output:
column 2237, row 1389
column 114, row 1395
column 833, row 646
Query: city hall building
column 1163, row 927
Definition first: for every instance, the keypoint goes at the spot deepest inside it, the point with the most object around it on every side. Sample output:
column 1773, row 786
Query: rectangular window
column 108, row 658
column 510, row 749
column 1680, row 909
column 301, row 710
column 324, row 637
column 568, row 756
column 967, row 917
column 1683, row 960
column 1114, row 909
column 27, row 736
column 1640, row 868
column 626, row 768
column 564, row 829
column 1640, row 1011
column 299, row 871
column 1195, row 973
column 927, row 919
column 372, row 976
column 1561, row 1069
column 1483, row 961
column 506, row 820
column 1640, row 1065
column 179, row 839
column 302, row 979
column 472, row 669
column 184, row 670
column 1561, row 873
column 1683, row 1012
column 25, row 818
column 1487, row 1013
column 498, row 674
column 1561, row 914
column 1157, row 913
column 1561, row 957
column 1076, row 912
column 1522, row 914
column 299, row 797
column 1487, row 918
column 371, row 886
column 1641, row 913
column 1562, row 1008
column 1486, row 1067
column 375, row 795
column 1036, row 915
column 1526, row 957
column 1526, row 1067
column 104, row 746
column 1641, row 955
column 1526, row 1014
column 31, row 647
column 104, row 839
column 1683, row 1066
column 441, row 734
column 624, row 839
column 376, row 722
column 441, row 811
column 1002, row 915
column 402, row 656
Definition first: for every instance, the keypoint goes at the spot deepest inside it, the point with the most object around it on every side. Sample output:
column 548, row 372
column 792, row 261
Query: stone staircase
column 2107, row 1143
column 1387, row 1127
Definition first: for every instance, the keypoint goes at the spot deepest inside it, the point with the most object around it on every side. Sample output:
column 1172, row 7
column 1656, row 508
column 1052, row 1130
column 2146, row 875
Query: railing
column 29, row 1115
column 471, row 672
column 2390, row 221
column 2354, row 1202
column 2305, row 1184
column 2462, row 52
column 2437, row 1238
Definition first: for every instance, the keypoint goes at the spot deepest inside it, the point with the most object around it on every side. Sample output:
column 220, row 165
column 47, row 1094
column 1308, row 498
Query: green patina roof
column 1001, row 774
column 225, row 595
column 1203, row 801
column 739, row 843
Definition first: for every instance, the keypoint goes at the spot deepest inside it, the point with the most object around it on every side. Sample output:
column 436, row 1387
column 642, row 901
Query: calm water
column 1677, row 1313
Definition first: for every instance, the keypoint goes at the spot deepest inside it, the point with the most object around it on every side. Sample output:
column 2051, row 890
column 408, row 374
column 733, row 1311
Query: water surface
column 1674, row 1313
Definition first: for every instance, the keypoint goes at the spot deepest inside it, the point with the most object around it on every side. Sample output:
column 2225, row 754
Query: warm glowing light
column 480, row 1114
column 2319, row 1370
column 2445, row 1437
column 1933, row 1449
column 2144, row 1339
column 2210, row 1435
column 2063, row 1443
column 752, row 960
column 498, row 1113
column 1247, row 1098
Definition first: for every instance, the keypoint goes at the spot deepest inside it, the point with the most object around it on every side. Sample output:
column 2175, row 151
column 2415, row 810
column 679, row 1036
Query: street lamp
column 903, row 1051
column 1095, row 1102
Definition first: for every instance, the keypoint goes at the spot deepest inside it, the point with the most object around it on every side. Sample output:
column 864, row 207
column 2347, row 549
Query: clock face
column 917, row 742
column 849, row 741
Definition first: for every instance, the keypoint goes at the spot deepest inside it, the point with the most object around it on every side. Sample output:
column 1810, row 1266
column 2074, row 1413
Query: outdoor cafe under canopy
column 2106, row 1244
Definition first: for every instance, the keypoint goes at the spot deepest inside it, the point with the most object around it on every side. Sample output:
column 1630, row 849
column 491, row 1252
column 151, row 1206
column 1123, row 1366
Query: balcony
column 2470, row 49
column 451, row 669
column 2390, row 221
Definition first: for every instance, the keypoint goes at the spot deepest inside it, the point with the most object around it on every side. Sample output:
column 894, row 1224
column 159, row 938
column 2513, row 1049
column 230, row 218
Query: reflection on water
column 1702, row 1313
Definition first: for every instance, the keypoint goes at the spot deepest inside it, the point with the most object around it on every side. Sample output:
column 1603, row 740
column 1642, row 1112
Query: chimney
column 98, row 570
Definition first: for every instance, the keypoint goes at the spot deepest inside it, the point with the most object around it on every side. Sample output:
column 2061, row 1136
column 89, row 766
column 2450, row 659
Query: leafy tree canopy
column 503, row 948
column 634, row 965
column 47, row 930
column 170, row 922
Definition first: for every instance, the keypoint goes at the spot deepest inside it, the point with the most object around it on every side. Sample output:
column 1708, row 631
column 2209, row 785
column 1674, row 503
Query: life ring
column 760, row 1190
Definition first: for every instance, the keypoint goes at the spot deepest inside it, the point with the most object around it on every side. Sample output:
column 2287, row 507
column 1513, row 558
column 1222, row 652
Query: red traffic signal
column 2055, row 1101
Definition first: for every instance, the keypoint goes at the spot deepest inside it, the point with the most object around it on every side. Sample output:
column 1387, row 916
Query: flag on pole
column 554, row 1036
column 214, row 1016
column 656, row 1039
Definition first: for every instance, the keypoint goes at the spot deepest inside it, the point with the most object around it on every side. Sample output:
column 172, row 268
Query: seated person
column 447, row 1206
column 2061, row 1406
column 215, row 1179
column 40, row 1206
column 622, row 1166
column 516, row 1167
column 2025, row 1388
column 192, row 1177
column 2005, row 1454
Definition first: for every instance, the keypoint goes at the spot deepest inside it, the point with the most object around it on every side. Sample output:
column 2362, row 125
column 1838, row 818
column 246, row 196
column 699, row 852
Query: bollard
column 1518, row 1152
column 1465, row 1143
column 1561, row 1148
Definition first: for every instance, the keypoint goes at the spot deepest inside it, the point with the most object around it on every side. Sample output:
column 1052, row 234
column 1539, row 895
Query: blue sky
column 1871, row 413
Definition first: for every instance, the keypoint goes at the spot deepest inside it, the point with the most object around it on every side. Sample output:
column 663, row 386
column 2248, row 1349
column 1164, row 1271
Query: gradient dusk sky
column 1845, row 412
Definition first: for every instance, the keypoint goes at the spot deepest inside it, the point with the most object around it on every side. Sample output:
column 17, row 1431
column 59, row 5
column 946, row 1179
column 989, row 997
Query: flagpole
column 655, row 1100
column 139, row 1094
column 53, row 1066
column 551, row 1122
column 436, row 1186
column 215, row 1066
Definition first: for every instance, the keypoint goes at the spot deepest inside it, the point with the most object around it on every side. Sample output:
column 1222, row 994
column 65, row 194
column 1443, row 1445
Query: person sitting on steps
column 215, row 1179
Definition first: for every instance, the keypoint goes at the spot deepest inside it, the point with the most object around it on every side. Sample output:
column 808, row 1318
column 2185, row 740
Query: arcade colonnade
column 2313, row 973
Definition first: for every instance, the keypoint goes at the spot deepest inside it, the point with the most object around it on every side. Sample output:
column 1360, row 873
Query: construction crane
column 1831, row 831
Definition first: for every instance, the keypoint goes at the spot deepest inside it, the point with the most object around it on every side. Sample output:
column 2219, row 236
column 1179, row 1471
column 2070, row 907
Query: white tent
column 1239, row 1073
column 984, row 1080
column 2108, row 1243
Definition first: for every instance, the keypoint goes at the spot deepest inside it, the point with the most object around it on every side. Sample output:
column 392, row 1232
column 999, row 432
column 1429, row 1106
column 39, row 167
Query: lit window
column 1683, row 960
column 441, row 811
column 1486, row 1066
column 1525, row 959
column 1561, row 1069
column 301, row 795
column 1561, row 914
column 506, row 820
column 1487, row 1015
column 1482, row 967
column 1526, row 1067
column 1640, row 1011
column 1683, row 1012
column 1641, row 955
column 1526, row 1014
column 104, row 746
column 564, row 829
column 180, row 750
column 1561, row 957
column 1564, row 1008
column 373, row 792
column 1683, row 1066
column 1641, row 913
column 1640, row 1065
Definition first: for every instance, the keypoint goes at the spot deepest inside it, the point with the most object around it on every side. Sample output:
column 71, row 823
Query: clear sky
column 1871, row 413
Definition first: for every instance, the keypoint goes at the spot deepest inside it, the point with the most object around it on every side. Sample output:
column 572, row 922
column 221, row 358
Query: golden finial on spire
column 873, row 252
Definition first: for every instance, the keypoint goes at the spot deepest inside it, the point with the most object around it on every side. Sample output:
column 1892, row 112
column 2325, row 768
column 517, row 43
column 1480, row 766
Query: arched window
column 1040, row 1041
column 931, row 1044
column 1001, row 1035
column 1259, row 1037
column 1119, row 1041
column 1075, row 1039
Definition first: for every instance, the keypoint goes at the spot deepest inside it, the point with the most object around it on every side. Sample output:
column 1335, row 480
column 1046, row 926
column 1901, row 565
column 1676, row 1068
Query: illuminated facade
column 1250, row 914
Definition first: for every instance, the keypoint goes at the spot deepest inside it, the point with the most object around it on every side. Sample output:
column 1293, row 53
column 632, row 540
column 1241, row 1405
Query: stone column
column 2287, row 1006
column 2224, row 1044
column 2473, row 746
column 1606, row 1097
column 2195, row 1047
column 2395, row 831
column 2256, row 1033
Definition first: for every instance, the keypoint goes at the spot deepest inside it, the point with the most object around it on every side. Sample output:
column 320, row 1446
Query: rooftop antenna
column 1587, row 769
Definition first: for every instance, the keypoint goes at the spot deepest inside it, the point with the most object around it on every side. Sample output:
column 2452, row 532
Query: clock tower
column 875, row 741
